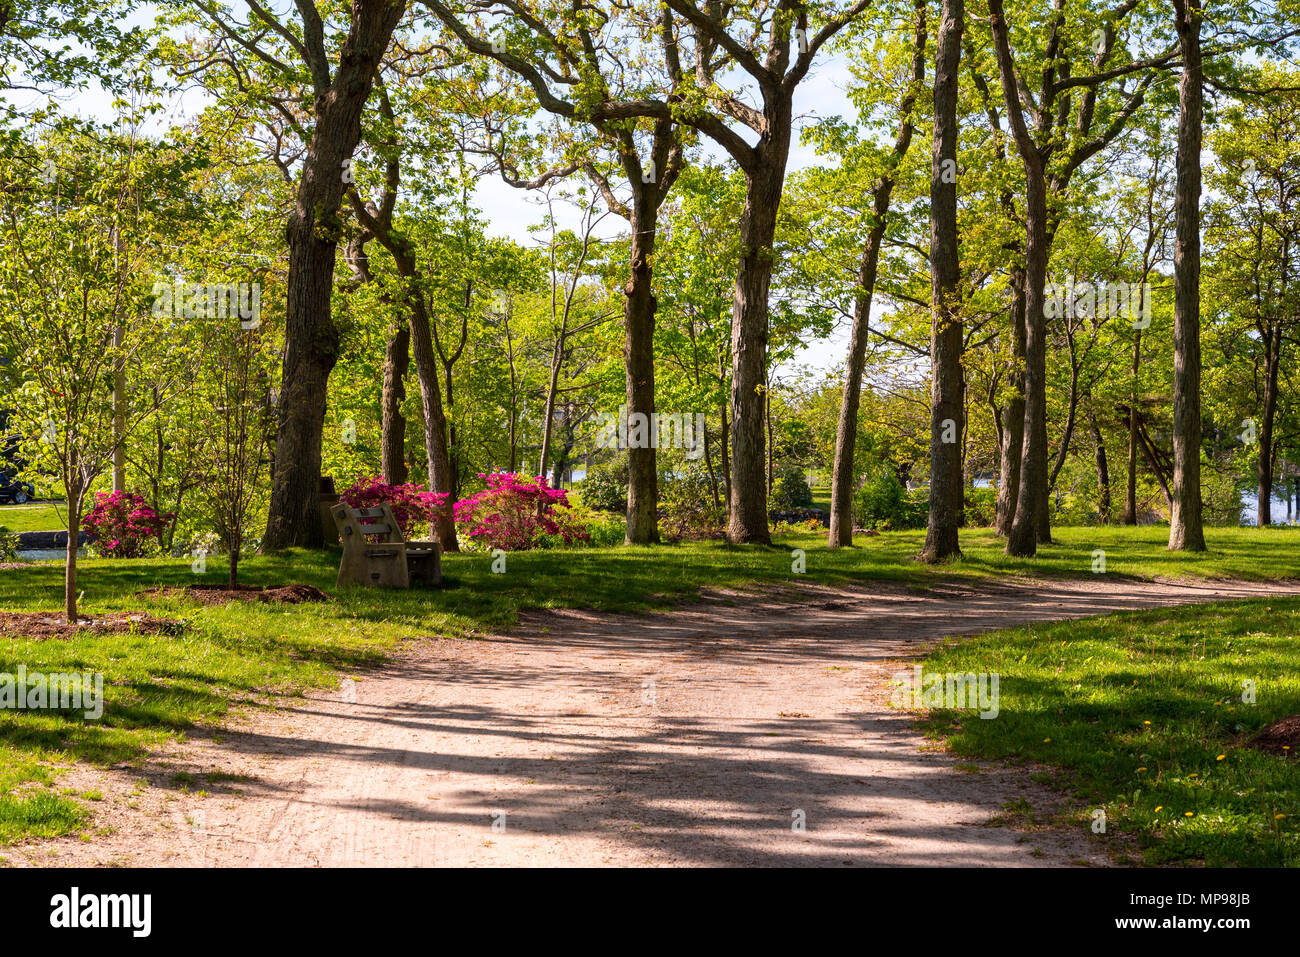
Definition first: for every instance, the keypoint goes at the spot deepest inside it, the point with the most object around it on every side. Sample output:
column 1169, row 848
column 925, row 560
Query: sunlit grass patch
column 1143, row 712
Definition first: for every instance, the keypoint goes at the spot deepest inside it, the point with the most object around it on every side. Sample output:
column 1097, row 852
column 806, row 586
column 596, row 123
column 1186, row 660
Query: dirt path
column 689, row 739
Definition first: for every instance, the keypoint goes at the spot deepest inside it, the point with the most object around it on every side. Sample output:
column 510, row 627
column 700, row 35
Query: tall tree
column 843, row 471
column 756, row 43
column 579, row 68
column 285, row 64
column 1185, row 531
column 947, row 386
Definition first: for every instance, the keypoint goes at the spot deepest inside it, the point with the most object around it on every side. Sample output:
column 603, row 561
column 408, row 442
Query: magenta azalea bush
column 515, row 512
column 412, row 504
column 121, row 525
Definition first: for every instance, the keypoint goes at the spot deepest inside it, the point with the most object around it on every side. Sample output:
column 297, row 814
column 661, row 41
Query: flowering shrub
column 515, row 513
column 121, row 525
column 411, row 504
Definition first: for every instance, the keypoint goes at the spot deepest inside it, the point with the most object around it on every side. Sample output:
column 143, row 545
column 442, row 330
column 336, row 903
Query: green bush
column 981, row 507
column 686, row 509
column 791, row 489
column 604, row 487
column 883, row 503
column 8, row 545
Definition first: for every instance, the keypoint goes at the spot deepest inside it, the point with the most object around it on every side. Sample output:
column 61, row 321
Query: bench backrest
column 358, row 526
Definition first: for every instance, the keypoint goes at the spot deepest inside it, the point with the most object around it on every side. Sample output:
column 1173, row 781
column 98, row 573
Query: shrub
column 883, row 503
column 981, row 507
column 517, row 513
column 604, row 487
column 791, row 489
column 8, row 545
column 122, row 525
column 603, row 528
column 686, row 509
column 412, row 504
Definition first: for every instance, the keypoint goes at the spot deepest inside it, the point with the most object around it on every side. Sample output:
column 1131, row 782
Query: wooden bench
column 375, row 553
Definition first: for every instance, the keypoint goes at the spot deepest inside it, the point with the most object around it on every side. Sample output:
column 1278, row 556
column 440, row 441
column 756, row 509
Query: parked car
column 15, row 490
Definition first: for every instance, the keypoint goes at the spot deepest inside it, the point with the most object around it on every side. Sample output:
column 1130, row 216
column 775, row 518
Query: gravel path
column 692, row 738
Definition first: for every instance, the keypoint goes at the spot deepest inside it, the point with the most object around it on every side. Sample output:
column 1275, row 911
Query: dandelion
column 1146, row 722
column 1220, row 757
column 1187, row 814
column 1140, row 770
column 1159, row 808
column 1045, row 740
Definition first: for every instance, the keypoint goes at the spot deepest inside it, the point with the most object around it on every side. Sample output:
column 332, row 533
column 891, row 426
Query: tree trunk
column 639, row 363
column 1130, row 488
column 1103, row 472
column 767, row 425
column 311, row 341
column 397, row 359
column 1031, row 501
column 1273, row 345
column 1185, row 529
column 747, row 521
column 947, row 390
column 1014, row 421
column 846, row 434
column 726, row 452
column 75, row 493
column 435, row 422
column 119, row 413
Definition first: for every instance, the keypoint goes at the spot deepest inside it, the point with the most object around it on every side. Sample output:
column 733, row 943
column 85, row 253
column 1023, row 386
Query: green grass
column 1141, row 714
column 42, row 517
column 159, row 686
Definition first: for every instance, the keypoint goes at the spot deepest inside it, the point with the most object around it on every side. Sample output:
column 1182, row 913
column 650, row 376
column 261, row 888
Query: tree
column 286, row 65
column 72, row 248
column 239, row 428
column 947, row 418
column 843, row 469
column 1185, row 530
column 576, row 62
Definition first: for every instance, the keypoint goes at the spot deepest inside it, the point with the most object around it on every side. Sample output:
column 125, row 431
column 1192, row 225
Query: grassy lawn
column 158, row 686
column 1141, row 713
column 42, row 517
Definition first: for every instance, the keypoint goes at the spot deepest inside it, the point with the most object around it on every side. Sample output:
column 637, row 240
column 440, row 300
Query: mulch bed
column 292, row 594
column 1282, row 737
column 46, row 624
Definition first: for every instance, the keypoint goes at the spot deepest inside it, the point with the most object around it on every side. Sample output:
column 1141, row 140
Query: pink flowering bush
column 122, row 525
column 414, row 507
column 515, row 512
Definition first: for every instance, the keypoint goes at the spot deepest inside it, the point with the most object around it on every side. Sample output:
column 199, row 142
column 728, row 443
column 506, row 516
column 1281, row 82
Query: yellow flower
column 1220, row 757
column 1187, row 814
column 1278, row 817
column 1159, row 808
column 1045, row 740
column 1141, row 769
column 1146, row 722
